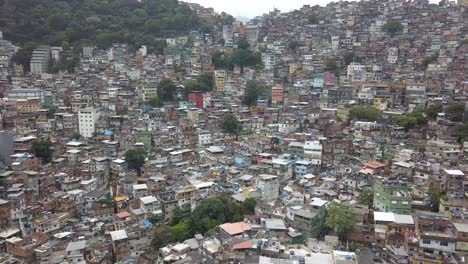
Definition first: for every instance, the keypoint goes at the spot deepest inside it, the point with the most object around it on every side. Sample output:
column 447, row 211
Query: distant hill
column 99, row 22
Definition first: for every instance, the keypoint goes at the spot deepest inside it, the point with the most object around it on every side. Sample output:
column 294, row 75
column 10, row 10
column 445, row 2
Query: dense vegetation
column 255, row 90
column 362, row 113
column 242, row 56
column 341, row 218
column 206, row 218
column 103, row 22
column 414, row 119
column 135, row 159
column 43, row 150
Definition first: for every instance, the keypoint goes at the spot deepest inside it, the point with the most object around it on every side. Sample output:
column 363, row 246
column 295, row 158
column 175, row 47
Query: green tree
column 330, row 66
column 155, row 218
column 243, row 43
column 313, row 20
column 363, row 113
column 366, row 197
column 340, row 217
column 455, row 112
column 222, row 61
column 231, row 125
column 182, row 231
column 244, row 58
column 167, row 90
column 351, row 57
column 248, row 206
column 411, row 120
column 462, row 132
column 162, row 235
column 43, row 150
column 23, row 56
column 180, row 214
column 253, row 91
column 104, row 22
column 51, row 110
column 293, row 45
column 204, row 83
column 433, row 110
column 155, row 102
column 393, row 27
column 135, row 159
column 435, row 194
column 210, row 213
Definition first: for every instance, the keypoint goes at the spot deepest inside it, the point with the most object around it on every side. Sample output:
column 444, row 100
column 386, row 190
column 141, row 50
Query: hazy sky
column 251, row 8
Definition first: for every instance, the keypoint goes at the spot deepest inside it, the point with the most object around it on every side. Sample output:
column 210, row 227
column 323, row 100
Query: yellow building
column 382, row 102
column 293, row 68
column 220, row 80
column 28, row 105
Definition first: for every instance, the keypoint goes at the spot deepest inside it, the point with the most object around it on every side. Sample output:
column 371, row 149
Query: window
column 425, row 241
column 444, row 243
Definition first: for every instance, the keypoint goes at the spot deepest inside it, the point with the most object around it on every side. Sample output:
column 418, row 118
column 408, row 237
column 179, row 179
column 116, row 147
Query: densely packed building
column 365, row 111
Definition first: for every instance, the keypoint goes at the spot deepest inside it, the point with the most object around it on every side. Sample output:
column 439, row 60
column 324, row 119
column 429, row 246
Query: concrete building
column 75, row 252
column 269, row 187
column 220, row 80
column 313, row 151
column 392, row 196
column 40, row 60
column 86, row 122
column 251, row 33
column 277, row 94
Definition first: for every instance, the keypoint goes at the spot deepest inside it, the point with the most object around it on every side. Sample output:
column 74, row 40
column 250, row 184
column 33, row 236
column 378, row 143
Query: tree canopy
column 363, row 113
column 433, row 110
column 253, row 91
column 167, row 90
column 462, row 132
column 366, row 197
column 155, row 102
column 341, row 218
column 23, row 56
column 231, row 125
column 242, row 56
column 411, row 120
column 43, row 150
column 102, row 22
column 135, row 159
column 248, row 206
column 435, row 193
column 205, row 218
column 455, row 112
column 204, row 83
column 393, row 27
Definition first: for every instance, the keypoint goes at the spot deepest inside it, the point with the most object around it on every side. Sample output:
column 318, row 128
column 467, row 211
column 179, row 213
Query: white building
column 86, row 121
column 204, row 138
column 313, row 151
column 75, row 252
column 357, row 72
column 269, row 187
column 268, row 60
column 149, row 204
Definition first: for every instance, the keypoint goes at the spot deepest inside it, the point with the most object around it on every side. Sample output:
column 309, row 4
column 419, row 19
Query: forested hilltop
column 101, row 22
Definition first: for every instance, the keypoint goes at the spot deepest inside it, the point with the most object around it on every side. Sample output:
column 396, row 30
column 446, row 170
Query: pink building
column 277, row 94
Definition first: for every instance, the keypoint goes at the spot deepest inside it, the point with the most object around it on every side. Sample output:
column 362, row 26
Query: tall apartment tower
column 40, row 60
column 87, row 122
